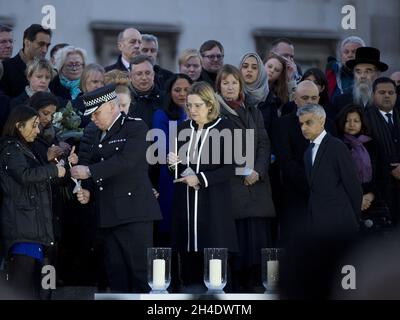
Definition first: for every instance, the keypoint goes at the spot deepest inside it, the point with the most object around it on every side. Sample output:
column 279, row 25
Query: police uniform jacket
column 119, row 169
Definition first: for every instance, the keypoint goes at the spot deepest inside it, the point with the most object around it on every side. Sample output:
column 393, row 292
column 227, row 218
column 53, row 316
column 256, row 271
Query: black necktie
column 309, row 155
column 390, row 123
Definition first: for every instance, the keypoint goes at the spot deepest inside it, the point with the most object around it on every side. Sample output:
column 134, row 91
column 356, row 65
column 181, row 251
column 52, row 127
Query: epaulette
column 130, row 119
column 133, row 119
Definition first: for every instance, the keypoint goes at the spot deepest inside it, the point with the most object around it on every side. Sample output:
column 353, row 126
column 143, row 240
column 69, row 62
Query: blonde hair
column 39, row 64
column 207, row 94
column 188, row 54
column 62, row 54
column 122, row 89
column 89, row 69
column 118, row 77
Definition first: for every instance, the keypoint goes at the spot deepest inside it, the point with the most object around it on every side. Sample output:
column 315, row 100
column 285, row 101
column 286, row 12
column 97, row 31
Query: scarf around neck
column 71, row 85
column 360, row 156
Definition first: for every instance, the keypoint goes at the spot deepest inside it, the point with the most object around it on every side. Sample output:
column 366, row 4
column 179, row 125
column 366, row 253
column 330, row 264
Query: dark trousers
column 125, row 256
column 24, row 277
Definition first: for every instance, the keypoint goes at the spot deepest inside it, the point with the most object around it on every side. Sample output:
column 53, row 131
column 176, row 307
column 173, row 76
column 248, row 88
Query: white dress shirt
column 126, row 64
column 317, row 141
column 383, row 113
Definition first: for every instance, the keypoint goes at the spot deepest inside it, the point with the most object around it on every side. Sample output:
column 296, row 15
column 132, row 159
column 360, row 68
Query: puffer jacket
column 26, row 214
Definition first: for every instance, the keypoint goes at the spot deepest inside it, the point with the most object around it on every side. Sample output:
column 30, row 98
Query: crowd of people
column 324, row 145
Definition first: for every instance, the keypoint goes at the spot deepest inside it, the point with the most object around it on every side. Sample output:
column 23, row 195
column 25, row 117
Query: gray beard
column 362, row 93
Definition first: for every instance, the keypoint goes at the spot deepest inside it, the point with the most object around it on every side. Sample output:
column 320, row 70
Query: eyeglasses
column 74, row 66
column 214, row 56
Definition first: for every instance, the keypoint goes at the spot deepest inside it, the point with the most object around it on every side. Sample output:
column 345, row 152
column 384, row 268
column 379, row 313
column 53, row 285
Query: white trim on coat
column 196, row 191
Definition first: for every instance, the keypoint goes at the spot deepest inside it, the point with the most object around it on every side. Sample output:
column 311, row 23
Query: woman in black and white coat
column 202, row 215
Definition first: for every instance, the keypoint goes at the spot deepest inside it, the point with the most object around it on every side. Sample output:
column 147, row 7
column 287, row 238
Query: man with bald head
column 395, row 76
column 304, row 93
column 290, row 147
column 129, row 42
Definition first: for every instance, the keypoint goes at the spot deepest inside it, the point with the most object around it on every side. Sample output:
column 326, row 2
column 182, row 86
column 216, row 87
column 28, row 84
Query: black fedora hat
column 367, row 55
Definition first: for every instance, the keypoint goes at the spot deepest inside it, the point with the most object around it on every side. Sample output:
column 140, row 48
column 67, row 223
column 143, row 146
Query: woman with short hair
column 39, row 73
column 92, row 78
column 190, row 62
column 202, row 210
column 251, row 190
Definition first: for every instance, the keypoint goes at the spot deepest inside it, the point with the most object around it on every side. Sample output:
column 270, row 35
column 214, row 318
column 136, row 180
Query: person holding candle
column 202, row 215
column 26, row 217
column 251, row 190
column 173, row 112
column 116, row 175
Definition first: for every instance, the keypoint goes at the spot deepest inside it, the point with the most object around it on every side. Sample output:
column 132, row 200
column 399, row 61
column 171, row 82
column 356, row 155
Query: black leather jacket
column 26, row 214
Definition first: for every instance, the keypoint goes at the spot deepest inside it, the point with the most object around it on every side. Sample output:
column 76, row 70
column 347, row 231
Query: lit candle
column 159, row 273
column 215, row 272
column 176, row 152
column 273, row 273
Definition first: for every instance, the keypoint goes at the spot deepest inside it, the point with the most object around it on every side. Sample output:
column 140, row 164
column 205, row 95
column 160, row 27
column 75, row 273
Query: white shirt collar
column 114, row 122
column 126, row 64
column 318, row 139
column 384, row 113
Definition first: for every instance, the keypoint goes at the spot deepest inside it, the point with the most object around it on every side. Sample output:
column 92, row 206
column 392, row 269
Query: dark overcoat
column 203, row 218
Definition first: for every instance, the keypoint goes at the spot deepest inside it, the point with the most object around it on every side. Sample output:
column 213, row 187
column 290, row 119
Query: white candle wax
column 215, row 272
column 158, row 273
column 176, row 152
column 273, row 272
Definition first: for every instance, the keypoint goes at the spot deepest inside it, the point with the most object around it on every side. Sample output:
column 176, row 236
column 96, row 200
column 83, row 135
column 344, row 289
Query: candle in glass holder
column 215, row 272
column 158, row 273
column 273, row 272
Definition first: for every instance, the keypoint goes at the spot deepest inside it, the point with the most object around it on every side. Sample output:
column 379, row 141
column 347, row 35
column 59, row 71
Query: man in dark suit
column 335, row 191
column 146, row 95
column 36, row 44
column 366, row 68
column 149, row 48
column 290, row 147
column 129, row 41
column 385, row 128
column 126, row 205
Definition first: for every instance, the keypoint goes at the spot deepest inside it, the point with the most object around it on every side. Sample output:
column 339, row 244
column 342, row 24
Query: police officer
column 117, row 178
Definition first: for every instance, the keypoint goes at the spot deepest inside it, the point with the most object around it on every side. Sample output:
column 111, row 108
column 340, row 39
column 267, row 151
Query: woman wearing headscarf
column 258, row 95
